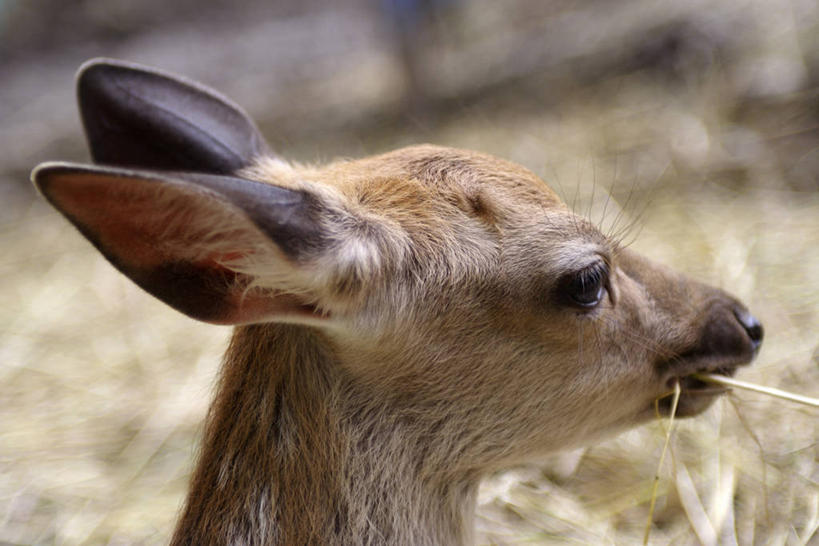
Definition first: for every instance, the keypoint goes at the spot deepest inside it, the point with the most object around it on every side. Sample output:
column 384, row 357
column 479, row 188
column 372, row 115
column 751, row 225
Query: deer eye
column 586, row 288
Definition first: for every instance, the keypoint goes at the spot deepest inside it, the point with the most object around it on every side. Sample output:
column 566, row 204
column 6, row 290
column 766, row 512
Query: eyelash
column 586, row 288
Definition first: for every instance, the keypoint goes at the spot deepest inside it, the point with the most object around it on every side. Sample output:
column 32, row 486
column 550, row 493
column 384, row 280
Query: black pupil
column 586, row 288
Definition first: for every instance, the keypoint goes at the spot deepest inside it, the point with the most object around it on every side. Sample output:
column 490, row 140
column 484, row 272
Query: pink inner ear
column 119, row 214
column 158, row 232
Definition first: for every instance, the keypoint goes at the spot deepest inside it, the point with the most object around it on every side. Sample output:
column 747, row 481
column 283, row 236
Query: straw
column 674, row 402
column 785, row 395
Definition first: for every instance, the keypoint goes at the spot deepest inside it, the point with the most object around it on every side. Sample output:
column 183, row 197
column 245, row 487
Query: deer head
column 405, row 322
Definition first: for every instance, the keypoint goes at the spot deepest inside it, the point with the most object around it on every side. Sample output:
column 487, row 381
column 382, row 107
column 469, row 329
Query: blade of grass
column 778, row 393
column 692, row 505
column 674, row 402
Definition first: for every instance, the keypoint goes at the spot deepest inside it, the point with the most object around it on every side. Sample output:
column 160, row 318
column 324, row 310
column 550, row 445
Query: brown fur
column 441, row 354
column 405, row 323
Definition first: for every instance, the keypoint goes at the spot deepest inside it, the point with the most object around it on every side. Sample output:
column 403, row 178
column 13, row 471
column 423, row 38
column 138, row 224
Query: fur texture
column 444, row 354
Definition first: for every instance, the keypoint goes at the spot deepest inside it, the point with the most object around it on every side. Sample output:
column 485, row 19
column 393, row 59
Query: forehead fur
column 480, row 182
column 450, row 171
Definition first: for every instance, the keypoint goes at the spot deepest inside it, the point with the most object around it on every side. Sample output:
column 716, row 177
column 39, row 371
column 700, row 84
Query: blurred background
column 699, row 119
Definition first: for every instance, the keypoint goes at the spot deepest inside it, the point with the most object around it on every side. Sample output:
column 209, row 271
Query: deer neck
column 296, row 453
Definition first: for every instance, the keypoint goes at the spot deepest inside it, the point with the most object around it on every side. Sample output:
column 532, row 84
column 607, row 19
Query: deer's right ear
column 143, row 118
column 196, row 241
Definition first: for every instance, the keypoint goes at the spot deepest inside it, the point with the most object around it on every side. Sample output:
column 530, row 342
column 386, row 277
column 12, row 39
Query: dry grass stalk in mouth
column 672, row 414
column 727, row 382
column 770, row 391
column 401, row 320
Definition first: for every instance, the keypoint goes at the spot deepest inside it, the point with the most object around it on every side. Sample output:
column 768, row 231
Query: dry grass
column 730, row 382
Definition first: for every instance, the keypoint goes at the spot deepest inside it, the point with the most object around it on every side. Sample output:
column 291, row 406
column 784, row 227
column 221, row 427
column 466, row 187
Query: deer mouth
column 695, row 395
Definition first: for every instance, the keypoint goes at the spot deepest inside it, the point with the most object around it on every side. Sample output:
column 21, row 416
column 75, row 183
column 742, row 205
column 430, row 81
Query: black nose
column 752, row 326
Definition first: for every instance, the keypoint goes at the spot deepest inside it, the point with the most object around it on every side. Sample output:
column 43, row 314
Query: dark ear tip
column 96, row 63
column 93, row 70
column 95, row 76
column 94, row 85
column 101, row 64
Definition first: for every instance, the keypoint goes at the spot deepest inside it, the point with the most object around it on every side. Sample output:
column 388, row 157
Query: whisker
column 649, row 200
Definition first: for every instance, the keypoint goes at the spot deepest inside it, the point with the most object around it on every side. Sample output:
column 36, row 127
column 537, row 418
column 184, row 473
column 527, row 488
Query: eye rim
column 586, row 288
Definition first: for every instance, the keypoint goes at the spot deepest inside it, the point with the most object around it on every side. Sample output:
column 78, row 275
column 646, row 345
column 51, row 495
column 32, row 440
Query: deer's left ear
column 140, row 117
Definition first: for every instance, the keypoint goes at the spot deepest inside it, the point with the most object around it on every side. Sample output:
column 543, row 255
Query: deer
column 404, row 324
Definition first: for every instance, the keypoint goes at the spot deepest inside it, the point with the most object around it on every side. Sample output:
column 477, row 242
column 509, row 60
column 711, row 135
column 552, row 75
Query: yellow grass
column 770, row 391
column 669, row 429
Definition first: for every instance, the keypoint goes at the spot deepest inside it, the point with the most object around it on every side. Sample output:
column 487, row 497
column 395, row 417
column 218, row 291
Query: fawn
column 404, row 323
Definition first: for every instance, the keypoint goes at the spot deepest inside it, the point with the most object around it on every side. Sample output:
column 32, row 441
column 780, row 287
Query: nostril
column 752, row 326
